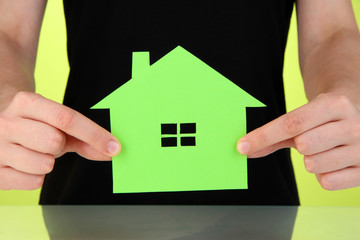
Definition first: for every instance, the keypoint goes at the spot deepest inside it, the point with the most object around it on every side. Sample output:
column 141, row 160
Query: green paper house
column 178, row 121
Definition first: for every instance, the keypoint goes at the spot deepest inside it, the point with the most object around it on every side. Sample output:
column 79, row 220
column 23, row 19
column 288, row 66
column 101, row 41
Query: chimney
column 140, row 63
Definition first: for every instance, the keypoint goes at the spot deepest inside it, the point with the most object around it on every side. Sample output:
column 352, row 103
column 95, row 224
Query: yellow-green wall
column 51, row 74
column 310, row 191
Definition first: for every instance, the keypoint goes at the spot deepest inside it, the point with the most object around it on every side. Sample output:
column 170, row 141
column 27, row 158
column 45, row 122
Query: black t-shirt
column 244, row 41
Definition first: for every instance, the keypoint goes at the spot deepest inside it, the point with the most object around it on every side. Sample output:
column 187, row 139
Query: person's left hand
column 326, row 131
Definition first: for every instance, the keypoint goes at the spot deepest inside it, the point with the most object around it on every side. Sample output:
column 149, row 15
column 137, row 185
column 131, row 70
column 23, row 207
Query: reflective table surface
column 179, row 222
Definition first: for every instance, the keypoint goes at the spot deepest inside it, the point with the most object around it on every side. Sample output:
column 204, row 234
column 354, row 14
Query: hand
column 34, row 130
column 326, row 131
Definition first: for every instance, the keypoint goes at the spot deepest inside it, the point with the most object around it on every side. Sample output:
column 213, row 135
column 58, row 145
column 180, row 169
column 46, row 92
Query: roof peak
column 178, row 72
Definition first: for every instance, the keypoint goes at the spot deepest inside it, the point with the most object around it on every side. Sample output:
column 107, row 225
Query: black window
column 169, row 141
column 170, row 134
column 187, row 127
column 169, row 128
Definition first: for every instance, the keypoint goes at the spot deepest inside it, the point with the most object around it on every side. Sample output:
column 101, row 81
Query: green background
column 51, row 74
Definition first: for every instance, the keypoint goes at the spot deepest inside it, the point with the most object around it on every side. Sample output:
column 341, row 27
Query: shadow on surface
column 170, row 222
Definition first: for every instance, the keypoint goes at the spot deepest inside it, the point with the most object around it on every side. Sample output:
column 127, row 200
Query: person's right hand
column 35, row 130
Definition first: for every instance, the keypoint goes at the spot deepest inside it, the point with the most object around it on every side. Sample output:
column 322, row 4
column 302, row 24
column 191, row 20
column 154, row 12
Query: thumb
column 83, row 149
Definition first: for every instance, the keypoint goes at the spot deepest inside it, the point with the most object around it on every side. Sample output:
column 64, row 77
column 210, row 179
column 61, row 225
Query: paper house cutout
column 178, row 121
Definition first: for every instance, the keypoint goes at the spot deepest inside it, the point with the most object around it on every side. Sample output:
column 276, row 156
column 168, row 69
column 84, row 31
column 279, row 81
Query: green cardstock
column 178, row 121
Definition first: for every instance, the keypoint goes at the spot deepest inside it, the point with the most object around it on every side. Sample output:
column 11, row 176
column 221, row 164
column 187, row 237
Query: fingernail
column 243, row 147
column 113, row 148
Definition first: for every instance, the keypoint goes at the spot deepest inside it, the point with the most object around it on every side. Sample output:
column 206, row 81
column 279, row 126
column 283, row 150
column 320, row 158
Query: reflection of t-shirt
column 245, row 43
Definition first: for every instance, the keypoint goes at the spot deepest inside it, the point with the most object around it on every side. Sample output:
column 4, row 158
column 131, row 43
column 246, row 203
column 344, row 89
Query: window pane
column 187, row 127
column 187, row 141
column 169, row 142
column 168, row 128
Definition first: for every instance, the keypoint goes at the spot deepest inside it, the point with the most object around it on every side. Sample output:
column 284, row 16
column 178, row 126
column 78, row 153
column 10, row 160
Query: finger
column 270, row 149
column 37, row 136
column 332, row 160
column 84, row 149
column 43, row 138
column 323, row 138
column 289, row 125
column 341, row 179
column 68, row 120
column 26, row 160
column 12, row 179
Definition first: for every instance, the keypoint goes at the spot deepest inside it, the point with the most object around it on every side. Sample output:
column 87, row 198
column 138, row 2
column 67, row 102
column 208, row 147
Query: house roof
column 178, row 72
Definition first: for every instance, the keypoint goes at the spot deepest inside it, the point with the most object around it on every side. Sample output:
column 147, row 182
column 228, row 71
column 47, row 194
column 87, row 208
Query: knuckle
column 293, row 124
column 10, row 182
column 261, row 138
column 65, row 118
column 354, row 131
column 5, row 187
column 23, row 98
column 327, row 182
column 341, row 102
column 36, row 182
column 98, row 135
column 3, row 180
column 310, row 164
column 4, row 126
column 56, row 142
column 322, row 96
column 301, row 144
column 47, row 164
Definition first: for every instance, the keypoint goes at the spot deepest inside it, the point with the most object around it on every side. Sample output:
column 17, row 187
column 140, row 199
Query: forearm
column 16, row 70
column 20, row 23
column 334, row 66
